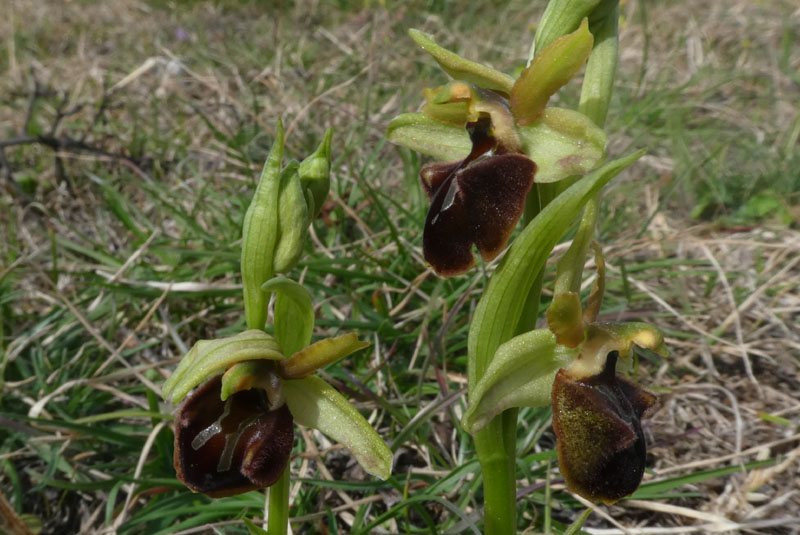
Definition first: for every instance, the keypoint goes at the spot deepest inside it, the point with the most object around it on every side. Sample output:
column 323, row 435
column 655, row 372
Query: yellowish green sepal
column 563, row 143
column 463, row 69
column 208, row 358
column 315, row 403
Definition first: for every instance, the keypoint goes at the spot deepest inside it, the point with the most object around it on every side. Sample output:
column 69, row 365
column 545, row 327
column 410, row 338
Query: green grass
column 92, row 239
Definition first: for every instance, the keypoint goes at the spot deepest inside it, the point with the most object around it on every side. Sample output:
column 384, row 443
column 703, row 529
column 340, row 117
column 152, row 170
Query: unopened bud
column 315, row 173
column 293, row 220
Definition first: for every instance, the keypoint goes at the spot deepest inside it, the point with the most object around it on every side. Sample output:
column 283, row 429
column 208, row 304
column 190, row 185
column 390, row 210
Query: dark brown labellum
column 476, row 201
column 597, row 422
column 226, row 448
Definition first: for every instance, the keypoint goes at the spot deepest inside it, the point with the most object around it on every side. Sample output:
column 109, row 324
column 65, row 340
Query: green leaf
column 252, row 529
column 294, row 314
column 211, row 357
column 311, row 358
column 520, row 375
column 563, row 143
column 420, row 133
column 500, row 308
column 460, row 68
column 315, row 403
column 548, row 71
column 601, row 68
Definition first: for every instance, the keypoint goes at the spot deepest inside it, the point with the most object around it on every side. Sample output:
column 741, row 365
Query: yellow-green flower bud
column 260, row 235
column 314, row 174
column 293, row 220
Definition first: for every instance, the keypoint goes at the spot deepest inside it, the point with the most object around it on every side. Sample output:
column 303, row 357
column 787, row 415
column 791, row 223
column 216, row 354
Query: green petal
column 563, row 143
column 294, row 314
column 441, row 107
column 520, row 375
column 311, row 358
column 548, row 71
column 315, row 403
column 420, row 133
column 478, row 103
column 598, row 288
column 211, row 357
column 564, row 319
column 463, row 69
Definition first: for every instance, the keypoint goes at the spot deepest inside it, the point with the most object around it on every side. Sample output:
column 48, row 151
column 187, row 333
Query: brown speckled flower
column 228, row 447
column 597, row 421
column 474, row 201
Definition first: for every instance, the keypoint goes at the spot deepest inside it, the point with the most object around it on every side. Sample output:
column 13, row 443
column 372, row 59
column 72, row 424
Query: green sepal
column 562, row 143
column 548, row 71
column 260, row 235
column 315, row 175
column 208, row 358
column 313, row 357
column 520, row 375
column 315, row 403
column 460, row 68
column 501, row 305
column 294, row 314
column 293, row 220
column 420, row 133
column 565, row 320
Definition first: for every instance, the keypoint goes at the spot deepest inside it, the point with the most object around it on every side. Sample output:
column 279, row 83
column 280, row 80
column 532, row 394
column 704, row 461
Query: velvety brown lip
column 597, row 422
column 258, row 440
column 476, row 201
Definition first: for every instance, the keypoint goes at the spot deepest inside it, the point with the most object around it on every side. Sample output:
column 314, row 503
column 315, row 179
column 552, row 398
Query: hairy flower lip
column 475, row 201
column 597, row 422
column 227, row 448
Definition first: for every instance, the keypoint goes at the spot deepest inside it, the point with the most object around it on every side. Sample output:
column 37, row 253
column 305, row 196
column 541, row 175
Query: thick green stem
column 278, row 515
column 499, row 482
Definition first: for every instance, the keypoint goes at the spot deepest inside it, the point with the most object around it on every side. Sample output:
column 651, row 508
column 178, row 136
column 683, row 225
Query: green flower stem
column 499, row 470
column 278, row 519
